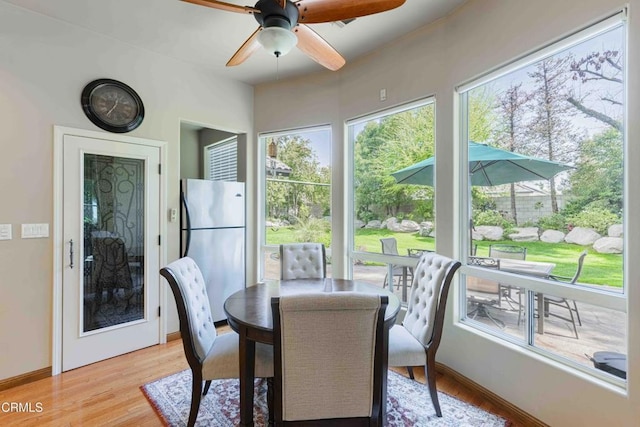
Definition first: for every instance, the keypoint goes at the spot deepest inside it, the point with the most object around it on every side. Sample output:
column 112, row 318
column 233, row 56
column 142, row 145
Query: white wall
column 479, row 36
column 44, row 64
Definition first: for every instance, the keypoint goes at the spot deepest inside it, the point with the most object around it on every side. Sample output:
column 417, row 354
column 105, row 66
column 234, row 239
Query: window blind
column 221, row 160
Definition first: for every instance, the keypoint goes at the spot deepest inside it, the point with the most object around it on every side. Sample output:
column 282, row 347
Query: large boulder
column 552, row 236
column 358, row 224
column 615, row 230
column 405, row 226
column 608, row 245
column 488, row 232
column 582, row 236
column 525, row 234
column 426, row 228
column 376, row 224
column 386, row 222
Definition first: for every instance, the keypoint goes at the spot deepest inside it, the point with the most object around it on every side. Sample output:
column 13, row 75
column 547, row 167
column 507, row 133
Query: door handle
column 71, row 253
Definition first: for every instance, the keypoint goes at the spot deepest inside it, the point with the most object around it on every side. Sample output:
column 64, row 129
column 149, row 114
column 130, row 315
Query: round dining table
column 249, row 314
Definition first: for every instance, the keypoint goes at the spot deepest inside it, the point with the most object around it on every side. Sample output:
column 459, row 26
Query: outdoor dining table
column 249, row 314
column 530, row 268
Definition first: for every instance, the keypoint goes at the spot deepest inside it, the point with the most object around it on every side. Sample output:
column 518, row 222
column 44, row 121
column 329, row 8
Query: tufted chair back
column 196, row 324
column 323, row 372
column 429, row 290
column 302, row 261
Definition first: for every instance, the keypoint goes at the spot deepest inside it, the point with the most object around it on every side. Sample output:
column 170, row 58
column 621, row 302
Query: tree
column 599, row 174
column 602, row 72
column 510, row 132
column 386, row 146
column 482, row 115
column 298, row 198
column 552, row 133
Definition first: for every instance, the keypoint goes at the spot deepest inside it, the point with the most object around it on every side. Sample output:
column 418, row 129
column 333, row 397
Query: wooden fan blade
column 317, row 48
column 224, row 6
column 246, row 50
column 316, row 11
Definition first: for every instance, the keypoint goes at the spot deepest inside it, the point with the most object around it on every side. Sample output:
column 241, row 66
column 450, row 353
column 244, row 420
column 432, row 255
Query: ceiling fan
column 283, row 24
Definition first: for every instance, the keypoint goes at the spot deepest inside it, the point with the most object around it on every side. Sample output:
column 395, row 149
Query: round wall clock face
column 112, row 105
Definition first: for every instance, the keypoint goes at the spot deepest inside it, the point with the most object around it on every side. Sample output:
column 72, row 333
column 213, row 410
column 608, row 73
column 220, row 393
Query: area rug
column 408, row 404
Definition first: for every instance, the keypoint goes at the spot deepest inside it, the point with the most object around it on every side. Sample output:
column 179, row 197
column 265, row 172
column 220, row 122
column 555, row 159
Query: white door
column 111, row 223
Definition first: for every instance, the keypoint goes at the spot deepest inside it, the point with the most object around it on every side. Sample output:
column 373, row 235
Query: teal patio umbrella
column 487, row 166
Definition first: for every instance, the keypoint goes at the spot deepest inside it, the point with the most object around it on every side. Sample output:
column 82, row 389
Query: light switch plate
column 5, row 232
column 35, row 231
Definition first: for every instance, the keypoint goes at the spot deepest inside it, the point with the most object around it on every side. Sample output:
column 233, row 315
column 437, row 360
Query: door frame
column 58, row 239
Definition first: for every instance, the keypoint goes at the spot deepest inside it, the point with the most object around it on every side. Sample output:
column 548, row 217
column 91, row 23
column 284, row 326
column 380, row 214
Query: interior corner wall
column 434, row 60
column 190, row 157
column 44, row 65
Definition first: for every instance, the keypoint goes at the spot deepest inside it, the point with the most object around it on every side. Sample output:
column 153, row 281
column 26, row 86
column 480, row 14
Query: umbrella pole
column 471, row 237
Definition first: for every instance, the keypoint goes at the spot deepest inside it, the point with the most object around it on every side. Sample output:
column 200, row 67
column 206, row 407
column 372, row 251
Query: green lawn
column 599, row 269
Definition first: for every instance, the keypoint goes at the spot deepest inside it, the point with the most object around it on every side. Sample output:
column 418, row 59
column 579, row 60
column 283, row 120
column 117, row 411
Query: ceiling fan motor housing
column 272, row 15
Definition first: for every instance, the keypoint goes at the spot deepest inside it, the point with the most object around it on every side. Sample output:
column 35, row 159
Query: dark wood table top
column 251, row 307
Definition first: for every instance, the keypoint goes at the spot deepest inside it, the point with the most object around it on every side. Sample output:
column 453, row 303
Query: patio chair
column 570, row 305
column 390, row 247
column 483, row 294
column 509, row 252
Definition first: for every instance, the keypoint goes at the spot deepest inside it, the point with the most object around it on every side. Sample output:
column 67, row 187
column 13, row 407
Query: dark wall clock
column 112, row 105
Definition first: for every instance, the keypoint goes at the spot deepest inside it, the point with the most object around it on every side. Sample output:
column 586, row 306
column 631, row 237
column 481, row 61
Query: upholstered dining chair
column 210, row 356
column 112, row 270
column 328, row 358
column 415, row 342
column 303, row 261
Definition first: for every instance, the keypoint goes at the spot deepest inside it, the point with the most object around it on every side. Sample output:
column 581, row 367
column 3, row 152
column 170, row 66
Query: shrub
column 555, row 221
column 595, row 217
column 313, row 230
column 491, row 217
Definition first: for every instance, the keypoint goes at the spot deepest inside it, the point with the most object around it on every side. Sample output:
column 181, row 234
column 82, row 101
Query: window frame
column 353, row 254
column 617, row 301
column 265, row 249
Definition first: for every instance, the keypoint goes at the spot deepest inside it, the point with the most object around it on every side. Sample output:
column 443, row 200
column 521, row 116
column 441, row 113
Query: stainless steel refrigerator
column 213, row 234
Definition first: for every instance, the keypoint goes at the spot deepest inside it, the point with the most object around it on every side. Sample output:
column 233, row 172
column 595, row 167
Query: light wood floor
column 108, row 393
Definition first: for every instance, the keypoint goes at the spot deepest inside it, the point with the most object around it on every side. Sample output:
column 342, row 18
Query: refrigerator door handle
column 187, row 225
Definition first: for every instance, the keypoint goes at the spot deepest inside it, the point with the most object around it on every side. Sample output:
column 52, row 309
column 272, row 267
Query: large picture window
column 393, row 209
column 544, row 148
column 297, row 192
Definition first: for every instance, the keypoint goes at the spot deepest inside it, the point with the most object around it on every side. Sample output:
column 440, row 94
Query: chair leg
column 575, row 307
column 519, row 307
column 430, row 373
column 410, row 371
column 196, row 393
column 270, row 400
column 207, row 384
column 573, row 320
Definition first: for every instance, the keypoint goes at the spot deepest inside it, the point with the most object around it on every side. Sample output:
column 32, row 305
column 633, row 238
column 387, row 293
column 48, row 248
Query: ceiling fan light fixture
column 277, row 40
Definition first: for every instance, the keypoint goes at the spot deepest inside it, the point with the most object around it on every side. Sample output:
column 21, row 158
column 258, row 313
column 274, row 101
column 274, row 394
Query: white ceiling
column 209, row 37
